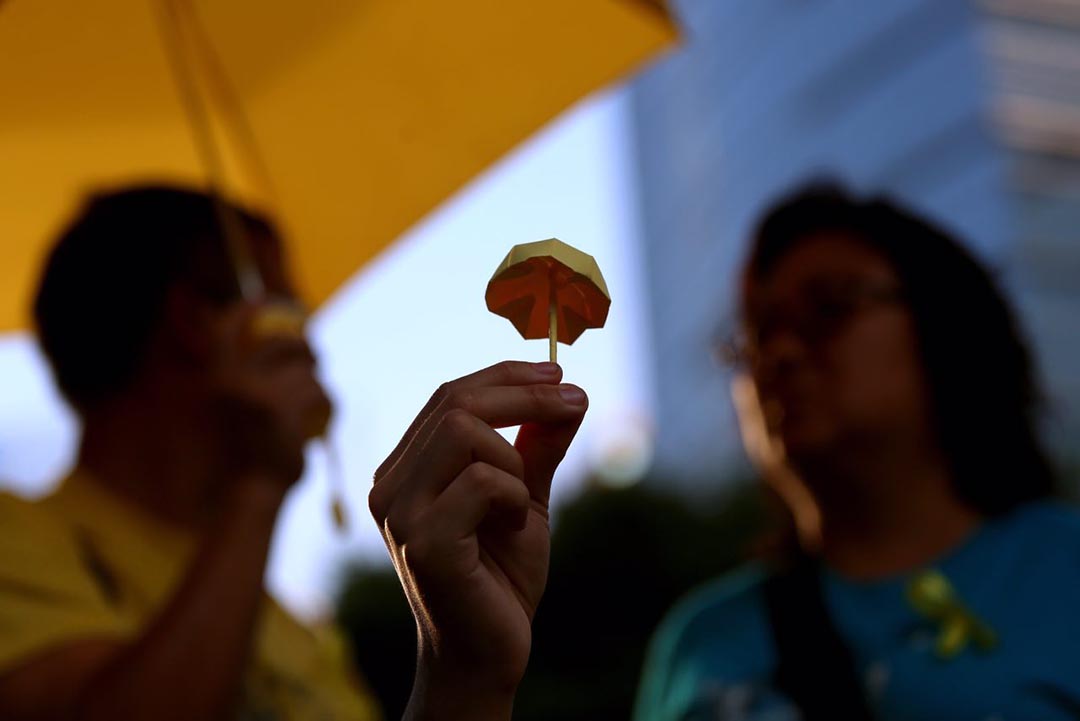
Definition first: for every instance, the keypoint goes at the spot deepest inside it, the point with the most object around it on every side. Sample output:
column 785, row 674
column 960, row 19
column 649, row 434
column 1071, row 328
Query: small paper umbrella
column 549, row 289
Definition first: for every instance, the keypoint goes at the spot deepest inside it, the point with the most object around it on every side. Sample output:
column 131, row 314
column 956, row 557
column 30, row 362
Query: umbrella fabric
column 536, row 279
column 367, row 114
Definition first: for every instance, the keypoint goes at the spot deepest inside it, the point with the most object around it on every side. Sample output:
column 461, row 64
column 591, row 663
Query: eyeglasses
column 826, row 307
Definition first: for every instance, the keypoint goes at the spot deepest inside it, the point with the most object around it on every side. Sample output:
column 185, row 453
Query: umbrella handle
column 553, row 331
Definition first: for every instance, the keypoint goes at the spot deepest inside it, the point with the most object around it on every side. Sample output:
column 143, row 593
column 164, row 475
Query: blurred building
column 969, row 111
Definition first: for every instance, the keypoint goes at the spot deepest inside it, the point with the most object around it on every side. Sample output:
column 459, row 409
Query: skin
column 851, row 417
column 464, row 513
column 218, row 418
column 208, row 437
column 844, row 424
column 465, row 516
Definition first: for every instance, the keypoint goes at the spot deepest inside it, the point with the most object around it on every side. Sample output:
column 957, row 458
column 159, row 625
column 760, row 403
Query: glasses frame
column 739, row 349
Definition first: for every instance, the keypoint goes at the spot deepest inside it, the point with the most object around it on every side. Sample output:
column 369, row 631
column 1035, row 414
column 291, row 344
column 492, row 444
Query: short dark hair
column 984, row 394
column 104, row 284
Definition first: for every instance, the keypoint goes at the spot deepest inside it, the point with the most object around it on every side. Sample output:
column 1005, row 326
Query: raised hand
column 465, row 516
column 269, row 402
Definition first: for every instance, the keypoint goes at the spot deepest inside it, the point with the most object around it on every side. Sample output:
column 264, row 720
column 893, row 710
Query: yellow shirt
column 83, row 564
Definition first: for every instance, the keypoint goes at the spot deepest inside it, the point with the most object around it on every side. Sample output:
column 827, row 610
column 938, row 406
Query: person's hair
column 984, row 395
column 105, row 282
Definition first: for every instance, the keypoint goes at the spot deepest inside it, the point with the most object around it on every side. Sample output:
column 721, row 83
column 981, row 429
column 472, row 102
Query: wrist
column 450, row 692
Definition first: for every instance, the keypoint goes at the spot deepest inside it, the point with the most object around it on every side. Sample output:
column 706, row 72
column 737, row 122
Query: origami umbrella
column 347, row 121
column 551, row 290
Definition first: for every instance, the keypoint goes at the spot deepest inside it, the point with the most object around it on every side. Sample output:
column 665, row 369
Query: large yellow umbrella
column 349, row 120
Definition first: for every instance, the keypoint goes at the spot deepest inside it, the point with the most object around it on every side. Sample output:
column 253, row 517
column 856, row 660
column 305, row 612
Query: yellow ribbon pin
column 931, row 594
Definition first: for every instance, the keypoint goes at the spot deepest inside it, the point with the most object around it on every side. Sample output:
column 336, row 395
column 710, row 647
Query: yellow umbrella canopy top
column 366, row 115
column 549, row 289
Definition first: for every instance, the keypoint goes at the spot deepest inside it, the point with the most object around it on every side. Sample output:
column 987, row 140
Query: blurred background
column 968, row 110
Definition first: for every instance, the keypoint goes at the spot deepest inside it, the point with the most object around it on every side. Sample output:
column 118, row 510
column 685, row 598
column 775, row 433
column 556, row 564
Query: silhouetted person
column 886, row 392
column 135, row 591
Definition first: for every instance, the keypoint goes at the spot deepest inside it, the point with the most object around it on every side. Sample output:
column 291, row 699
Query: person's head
column 135, row 283
column 866, row 328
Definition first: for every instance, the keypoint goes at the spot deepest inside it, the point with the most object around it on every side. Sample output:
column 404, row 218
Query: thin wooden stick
column 553, row 331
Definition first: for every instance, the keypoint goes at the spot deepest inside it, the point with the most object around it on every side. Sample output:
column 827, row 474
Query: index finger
column 257, row 335
column 506, row 373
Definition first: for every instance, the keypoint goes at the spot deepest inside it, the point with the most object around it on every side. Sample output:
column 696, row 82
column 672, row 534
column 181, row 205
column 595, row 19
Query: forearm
column 456, row 694
column 442, row 703
column 473, row 591
column 190, row 662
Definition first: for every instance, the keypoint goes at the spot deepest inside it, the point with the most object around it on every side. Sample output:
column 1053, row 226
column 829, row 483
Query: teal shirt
column 713, row 657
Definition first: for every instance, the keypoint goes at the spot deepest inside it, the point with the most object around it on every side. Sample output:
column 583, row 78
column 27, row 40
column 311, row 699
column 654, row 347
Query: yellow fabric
column 367, row 114
column 82, row 564
column 46, row 594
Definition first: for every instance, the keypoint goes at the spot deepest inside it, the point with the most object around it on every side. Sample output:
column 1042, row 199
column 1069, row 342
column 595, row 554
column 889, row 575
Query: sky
column 414, row 318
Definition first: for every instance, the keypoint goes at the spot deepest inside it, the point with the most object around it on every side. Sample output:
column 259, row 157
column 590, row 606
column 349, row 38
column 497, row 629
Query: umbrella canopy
column 549, row 289
column 366, row 115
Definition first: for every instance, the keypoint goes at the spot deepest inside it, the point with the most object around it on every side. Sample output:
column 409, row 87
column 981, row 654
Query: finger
column 505, row 406
column 278, row 350
column 542, row 447
column 507, row 373
column 249, row 339
column 275, row 384
column 459, row 440
column 481, row 493
column 494, row 407
column 301, row 402
column 280, row 317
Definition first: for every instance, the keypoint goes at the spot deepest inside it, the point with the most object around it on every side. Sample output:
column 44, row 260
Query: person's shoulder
column 25, row 522
column 14, row 509
column 714, row 640
column 720, row 620
column 1039, row 538
column 1052, row 521
column 48, row 594
column 718, row 599
column 34, row 542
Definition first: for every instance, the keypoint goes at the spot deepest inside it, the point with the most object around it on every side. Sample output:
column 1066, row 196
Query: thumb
column 542, row 447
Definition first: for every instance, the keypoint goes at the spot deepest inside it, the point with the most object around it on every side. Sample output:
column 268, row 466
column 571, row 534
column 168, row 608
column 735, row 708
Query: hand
column 465, row 516
column 269, row 402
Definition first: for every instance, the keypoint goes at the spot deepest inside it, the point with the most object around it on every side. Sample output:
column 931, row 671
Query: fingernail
column 547, row 369
column 572, row 395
